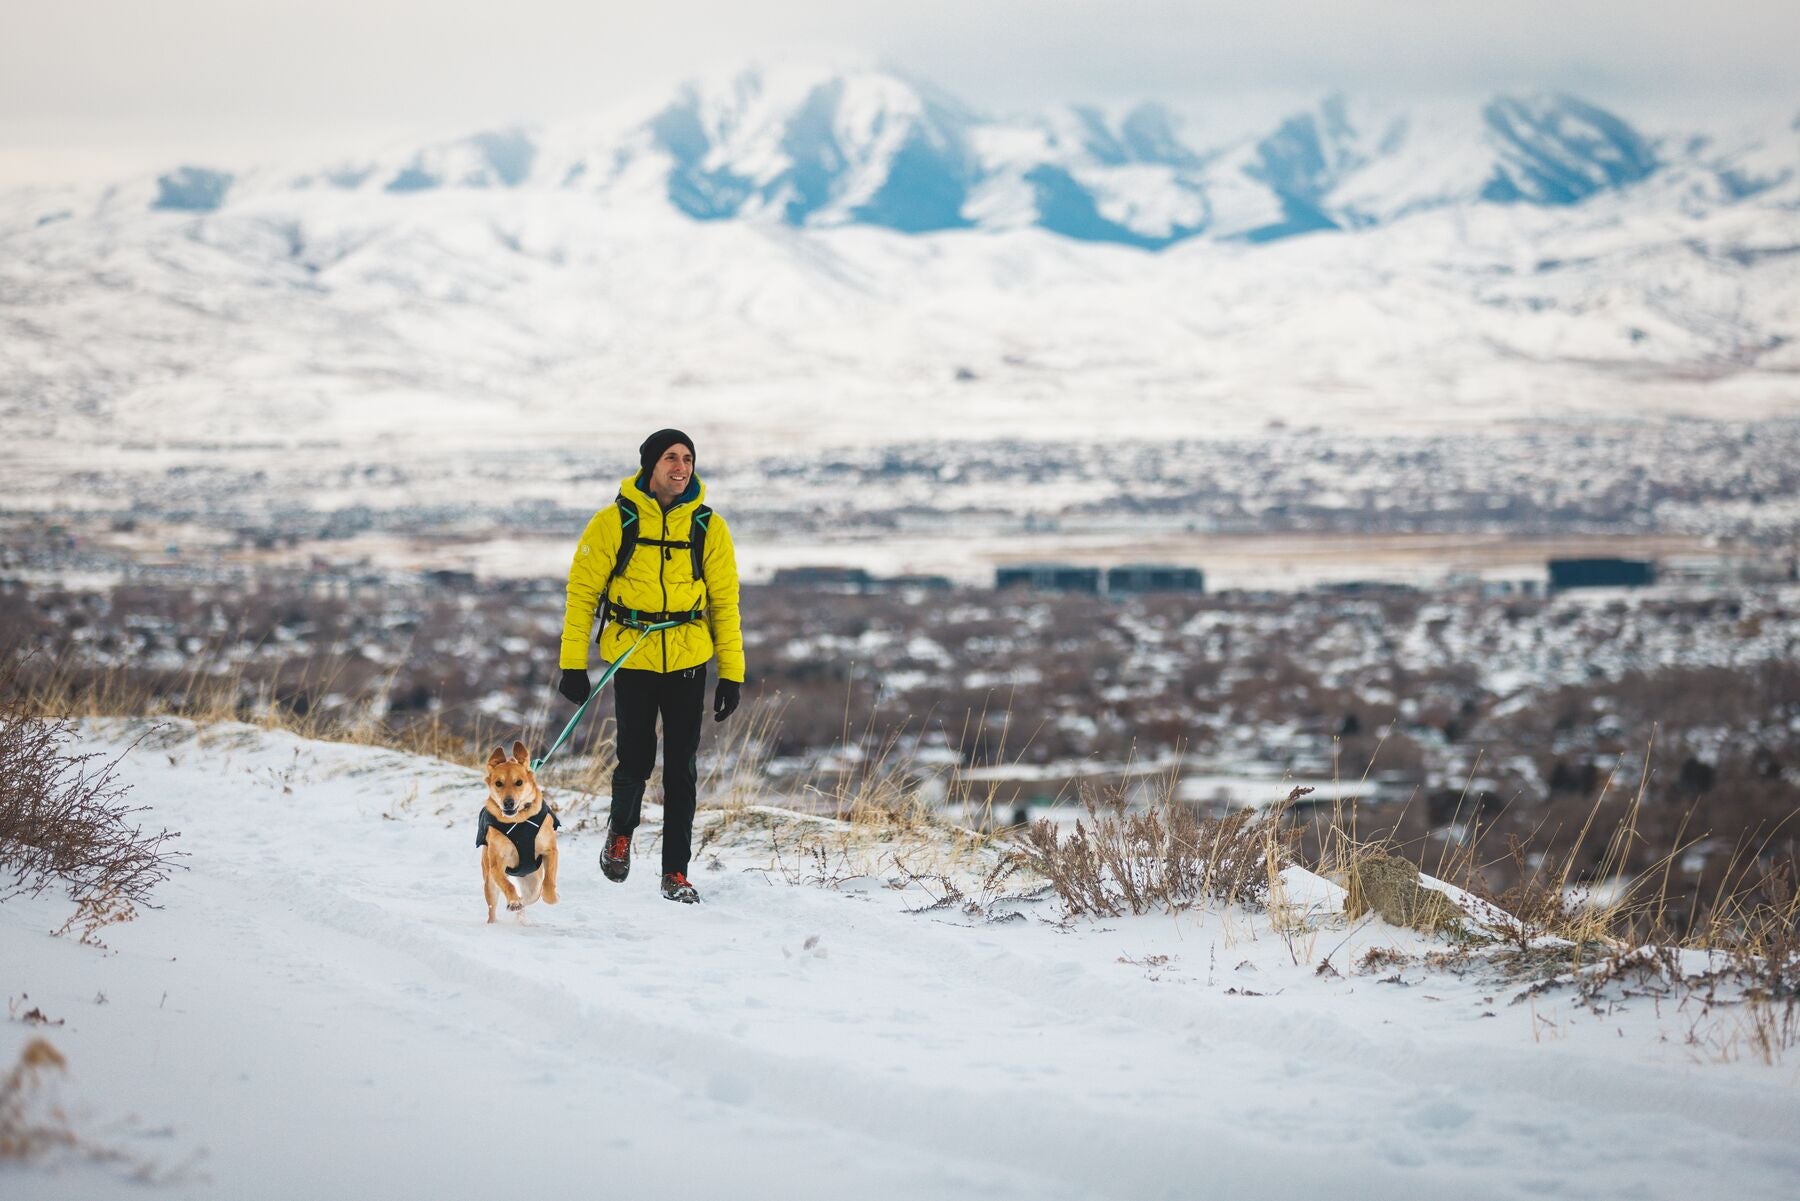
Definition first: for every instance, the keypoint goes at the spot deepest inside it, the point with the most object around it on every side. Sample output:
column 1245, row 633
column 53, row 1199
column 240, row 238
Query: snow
column 319, row 1009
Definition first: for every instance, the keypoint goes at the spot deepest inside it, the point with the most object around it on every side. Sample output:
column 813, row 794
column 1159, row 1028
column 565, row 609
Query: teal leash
column 604, row 677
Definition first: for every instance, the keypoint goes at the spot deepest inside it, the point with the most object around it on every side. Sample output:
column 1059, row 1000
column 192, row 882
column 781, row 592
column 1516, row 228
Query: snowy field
column 318, row 1009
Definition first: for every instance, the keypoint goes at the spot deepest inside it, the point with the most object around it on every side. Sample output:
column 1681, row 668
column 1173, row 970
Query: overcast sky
column 90, row 86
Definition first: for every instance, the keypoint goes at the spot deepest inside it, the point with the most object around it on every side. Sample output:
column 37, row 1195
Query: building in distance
column 1153, row 577
column 835, row 579
column 1049, row 577
column 1601, row 573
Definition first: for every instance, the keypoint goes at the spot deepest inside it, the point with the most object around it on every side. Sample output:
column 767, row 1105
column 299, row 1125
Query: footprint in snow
column 1440, row 1114
column 727, row 1088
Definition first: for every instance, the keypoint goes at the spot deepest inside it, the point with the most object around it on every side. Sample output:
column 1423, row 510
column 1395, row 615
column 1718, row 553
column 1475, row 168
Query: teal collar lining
column 692, row 492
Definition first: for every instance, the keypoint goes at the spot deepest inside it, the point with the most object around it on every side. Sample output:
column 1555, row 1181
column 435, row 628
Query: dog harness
column 523, row 834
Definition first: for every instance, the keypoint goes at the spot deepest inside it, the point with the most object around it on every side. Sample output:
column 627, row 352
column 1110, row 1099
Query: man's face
column 673, row 471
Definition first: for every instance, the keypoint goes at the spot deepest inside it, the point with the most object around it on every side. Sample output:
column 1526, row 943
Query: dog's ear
column 521, row 753
column 499, row 756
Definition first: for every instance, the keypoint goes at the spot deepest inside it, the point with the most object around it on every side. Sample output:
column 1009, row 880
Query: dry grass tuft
column 953, row 865
column 1166, row 856
column 1761, row 948
column 864, row 818
column 1542, row 904
column 214, row 691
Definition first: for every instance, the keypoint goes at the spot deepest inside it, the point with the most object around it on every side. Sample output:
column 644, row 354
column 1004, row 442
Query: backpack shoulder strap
column 697, row 540
column 628, row 536
column 628, row 540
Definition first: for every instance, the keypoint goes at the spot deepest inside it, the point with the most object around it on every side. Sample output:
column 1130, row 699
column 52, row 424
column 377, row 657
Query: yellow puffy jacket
column 656, row 580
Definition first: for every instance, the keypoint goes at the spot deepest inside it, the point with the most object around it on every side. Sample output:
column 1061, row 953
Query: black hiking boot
column 615, row 857
column 675, row 886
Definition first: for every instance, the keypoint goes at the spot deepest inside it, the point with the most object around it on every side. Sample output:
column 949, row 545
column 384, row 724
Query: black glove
column 725, row 699
column 575, row 685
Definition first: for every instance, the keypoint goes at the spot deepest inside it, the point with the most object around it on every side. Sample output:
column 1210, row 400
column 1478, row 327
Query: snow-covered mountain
column 806, row 254
column 812, row 147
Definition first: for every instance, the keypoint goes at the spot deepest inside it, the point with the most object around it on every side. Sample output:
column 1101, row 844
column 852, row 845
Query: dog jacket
column 523, row 834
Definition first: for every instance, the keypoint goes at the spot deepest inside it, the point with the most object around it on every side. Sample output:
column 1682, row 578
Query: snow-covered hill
column 799, row 257
column 319, row 1009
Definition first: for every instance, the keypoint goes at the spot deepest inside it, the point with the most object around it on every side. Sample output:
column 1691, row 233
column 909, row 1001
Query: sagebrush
column 1119, row 860
column 66, row 822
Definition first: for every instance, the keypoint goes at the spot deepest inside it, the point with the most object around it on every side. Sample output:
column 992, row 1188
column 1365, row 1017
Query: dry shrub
column 1751, row 970
column 94, row 914
column 1768, row 942
column 1751, row 940
column 26, row 1138
column 1163, row 857
column 22, row 1137
column 1552, row 899
column 64, row 821
column 1539, row 903
column 1763, row 947
column 1380, row 959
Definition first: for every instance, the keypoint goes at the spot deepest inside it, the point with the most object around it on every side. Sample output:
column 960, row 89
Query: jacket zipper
column 662, row 567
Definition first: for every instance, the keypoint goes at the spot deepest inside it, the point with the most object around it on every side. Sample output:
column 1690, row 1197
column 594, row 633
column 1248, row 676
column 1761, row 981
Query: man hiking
column 656, row 555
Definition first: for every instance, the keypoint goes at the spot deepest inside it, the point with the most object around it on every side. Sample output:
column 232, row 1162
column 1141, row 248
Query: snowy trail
column 338, row 1016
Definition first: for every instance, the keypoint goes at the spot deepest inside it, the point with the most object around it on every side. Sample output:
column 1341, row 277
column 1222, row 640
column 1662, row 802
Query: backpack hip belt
column 642, row 619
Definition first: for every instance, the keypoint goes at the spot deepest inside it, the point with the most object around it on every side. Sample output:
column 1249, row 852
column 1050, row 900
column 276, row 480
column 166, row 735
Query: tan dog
column 516, row 833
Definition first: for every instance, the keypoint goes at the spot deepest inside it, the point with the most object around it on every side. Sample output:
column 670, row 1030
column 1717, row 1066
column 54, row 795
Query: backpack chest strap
column 667, row 544
column 629, row 541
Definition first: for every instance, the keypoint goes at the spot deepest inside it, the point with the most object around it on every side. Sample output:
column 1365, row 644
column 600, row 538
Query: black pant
column 680, row 697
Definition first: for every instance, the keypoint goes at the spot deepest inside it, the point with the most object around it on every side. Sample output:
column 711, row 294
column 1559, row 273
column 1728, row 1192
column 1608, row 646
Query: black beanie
column 657, row 443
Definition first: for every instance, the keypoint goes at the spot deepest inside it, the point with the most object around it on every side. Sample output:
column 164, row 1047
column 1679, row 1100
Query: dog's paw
column 550, row 896
column 515, row 906
column 490, row 915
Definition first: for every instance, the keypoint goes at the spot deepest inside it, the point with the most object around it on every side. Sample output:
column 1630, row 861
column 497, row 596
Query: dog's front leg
column 550, row 874
column 487, row 881
column 497, row 873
